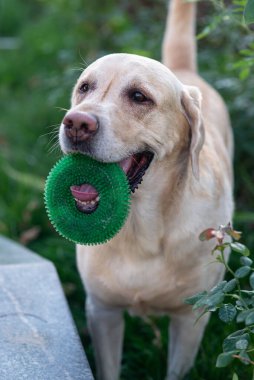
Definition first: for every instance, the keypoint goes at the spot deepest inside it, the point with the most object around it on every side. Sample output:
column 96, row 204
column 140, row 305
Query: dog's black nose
column 80, row 126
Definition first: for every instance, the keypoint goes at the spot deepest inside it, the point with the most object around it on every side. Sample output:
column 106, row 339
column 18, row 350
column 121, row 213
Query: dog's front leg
column 106, row 327
column 185, row 336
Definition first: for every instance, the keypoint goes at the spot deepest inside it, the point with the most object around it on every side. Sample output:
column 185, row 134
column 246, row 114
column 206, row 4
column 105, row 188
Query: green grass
column 54, row 40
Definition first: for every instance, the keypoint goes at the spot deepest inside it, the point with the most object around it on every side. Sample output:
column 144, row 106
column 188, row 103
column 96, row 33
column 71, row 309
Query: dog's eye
column 138, row 97
column 84, row 88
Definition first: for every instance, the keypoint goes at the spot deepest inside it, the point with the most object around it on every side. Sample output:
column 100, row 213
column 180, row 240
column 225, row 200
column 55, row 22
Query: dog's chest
column 140, row 284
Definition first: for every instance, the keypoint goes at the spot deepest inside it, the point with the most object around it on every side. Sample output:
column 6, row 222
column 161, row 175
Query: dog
column 165, row 125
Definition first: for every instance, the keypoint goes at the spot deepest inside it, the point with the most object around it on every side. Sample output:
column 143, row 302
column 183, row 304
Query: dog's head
column 130, row 109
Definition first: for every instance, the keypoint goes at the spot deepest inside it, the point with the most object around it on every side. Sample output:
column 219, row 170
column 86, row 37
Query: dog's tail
column 179, row 44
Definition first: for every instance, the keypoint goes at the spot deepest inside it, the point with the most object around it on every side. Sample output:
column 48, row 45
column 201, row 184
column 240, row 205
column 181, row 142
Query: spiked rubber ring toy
column 71, row 184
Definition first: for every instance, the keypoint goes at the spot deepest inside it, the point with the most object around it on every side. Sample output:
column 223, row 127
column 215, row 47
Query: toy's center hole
column 86, row 197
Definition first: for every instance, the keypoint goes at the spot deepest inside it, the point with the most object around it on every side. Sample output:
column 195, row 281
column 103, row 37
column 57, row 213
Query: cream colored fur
column 157, row 259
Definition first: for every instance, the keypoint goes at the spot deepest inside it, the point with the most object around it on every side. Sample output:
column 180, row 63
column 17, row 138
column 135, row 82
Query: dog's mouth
column 87, row 197
column 135, row 167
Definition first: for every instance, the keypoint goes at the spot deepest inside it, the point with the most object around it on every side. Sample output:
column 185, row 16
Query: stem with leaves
column 230, row 298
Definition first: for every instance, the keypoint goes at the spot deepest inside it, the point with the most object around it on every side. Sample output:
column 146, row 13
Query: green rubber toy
column 87, row 201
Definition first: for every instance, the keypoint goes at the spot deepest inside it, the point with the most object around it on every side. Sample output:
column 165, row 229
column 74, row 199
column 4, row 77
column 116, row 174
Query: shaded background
column 43, row 46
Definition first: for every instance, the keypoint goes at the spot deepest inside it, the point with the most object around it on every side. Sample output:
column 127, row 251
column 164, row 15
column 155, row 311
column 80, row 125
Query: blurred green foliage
column 44, row 44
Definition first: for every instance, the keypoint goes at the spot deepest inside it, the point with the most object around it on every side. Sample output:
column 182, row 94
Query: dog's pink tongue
column 84, row 192
column 126, row 164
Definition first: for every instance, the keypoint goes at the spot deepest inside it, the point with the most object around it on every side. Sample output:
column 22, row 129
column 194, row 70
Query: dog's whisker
column 48, row 133
column 53, row 137
column 53, row 132
column 83, row 60
column 79, row 69
column 55, row 147
column 52, row 126
column 61, row 109
column 51, row 148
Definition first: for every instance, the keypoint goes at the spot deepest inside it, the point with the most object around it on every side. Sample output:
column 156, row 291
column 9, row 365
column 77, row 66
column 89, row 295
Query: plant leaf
column 240, row 248
column 249, row 319
column 235, row 376
column 238, row 333
column 224, row 359
column 217, row 288
column 211, row 301
column 249, row 12
column 215, row 299
column 246, row 261
column 243, row 271
column 229, row 344
column 230, row 286
column 244, row 73
column 243, row 315
column 26, row 179
column 219, row 259
column 251, row 280
column 227, row 313
column 245, row 359
column 196, row 297
column 200, row 303
column 242, row 344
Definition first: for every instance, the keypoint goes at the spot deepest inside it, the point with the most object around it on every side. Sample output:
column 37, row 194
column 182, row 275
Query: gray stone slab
column 12, row 253
column 38, row 339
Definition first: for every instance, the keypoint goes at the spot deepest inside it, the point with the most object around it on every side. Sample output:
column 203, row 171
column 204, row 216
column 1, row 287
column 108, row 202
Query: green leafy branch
column 241, row 13
column 246, row 63
column 249, row 12
column 230, row 299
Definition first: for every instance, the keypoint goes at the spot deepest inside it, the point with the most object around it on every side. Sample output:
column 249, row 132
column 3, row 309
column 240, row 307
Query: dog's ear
column 191, row 106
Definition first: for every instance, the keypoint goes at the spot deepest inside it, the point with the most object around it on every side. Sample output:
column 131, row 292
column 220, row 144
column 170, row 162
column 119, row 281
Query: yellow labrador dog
column 165, row 126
